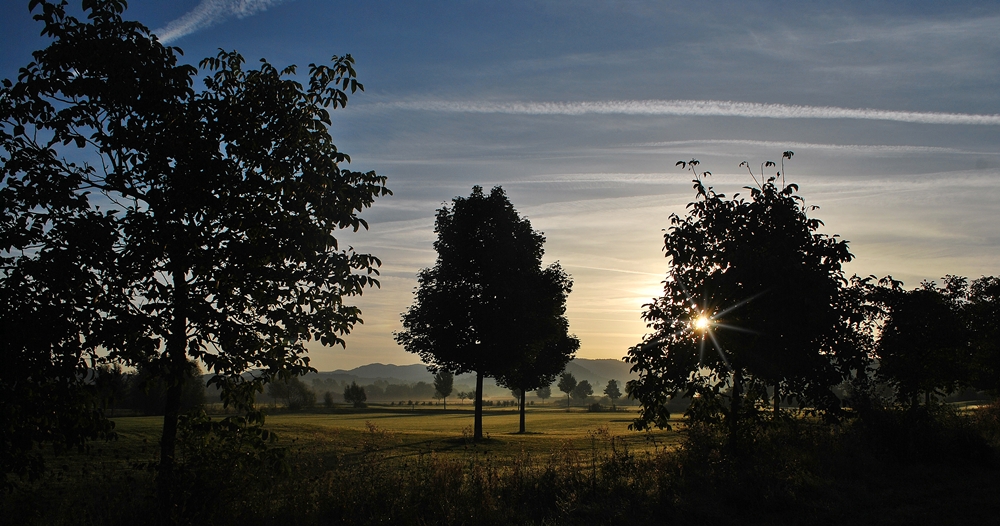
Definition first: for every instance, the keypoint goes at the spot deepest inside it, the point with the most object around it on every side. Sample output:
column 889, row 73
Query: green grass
column 422, row 430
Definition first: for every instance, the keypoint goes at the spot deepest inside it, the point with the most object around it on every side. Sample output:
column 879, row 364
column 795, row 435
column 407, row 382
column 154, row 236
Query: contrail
column 210, row 12
column 701, row 108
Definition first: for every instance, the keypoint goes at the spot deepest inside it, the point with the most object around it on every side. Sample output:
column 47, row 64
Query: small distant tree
column 355, row 394
column 444, row 382
column 328, row 400
column 544, row 392
column 613, row 392
column 293, row 392
column 567, row 383
column 582, row 390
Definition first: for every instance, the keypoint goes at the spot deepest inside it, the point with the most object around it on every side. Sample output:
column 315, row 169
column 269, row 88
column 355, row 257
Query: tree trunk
column 735, row 407
column 445, row 399
column 477, row 433
column 176, row 359
column 522, row 412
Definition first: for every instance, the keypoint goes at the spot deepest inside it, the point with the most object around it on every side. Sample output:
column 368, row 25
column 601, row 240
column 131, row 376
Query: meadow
column 391, row 464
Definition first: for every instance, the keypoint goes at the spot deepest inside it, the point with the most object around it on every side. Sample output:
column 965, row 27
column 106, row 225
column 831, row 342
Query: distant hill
column 597, row 372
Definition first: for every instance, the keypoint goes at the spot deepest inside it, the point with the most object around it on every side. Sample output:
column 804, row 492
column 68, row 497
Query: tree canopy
column 487, row 305
column 159, row 223
column 754, row 294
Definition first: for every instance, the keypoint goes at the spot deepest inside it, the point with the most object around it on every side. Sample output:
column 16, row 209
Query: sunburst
column 704, row 322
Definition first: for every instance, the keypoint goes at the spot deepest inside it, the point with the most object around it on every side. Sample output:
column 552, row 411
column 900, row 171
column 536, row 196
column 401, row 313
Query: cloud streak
column 211, row 12
column 696, row 108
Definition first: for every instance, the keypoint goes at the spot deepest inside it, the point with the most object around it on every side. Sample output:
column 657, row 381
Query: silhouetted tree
column 146, row 392
column 582, row 390
column 754, row 293
column 202, row 224
column 546, row 346
column 567, row 383
column 983, row 320
column 355, row 394
column 487, row 305
column 544, row 392
column 444, row 382
column 293, row 391
column 613, row 392
column 924, row 343
column 328, row 400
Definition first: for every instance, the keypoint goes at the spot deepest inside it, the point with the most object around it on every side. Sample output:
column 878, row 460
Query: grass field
column 405, row 432
column 391, row 464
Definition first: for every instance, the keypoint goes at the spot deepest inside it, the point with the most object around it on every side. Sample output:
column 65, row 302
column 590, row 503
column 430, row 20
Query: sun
column 701, row 323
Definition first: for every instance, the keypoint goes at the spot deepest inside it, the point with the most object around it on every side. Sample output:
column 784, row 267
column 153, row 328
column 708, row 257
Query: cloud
column 860, row 148
column 210, row 12
column 700, row 108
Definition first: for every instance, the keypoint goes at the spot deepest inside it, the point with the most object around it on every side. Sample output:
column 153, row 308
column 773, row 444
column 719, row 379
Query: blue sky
column 580, row 110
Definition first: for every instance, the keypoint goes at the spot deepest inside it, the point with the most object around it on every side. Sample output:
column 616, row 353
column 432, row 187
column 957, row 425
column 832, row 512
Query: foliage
column 162, row 223
column 355, row 394
column 293, row 391
column 444, row 383
column 487, row 305
column 923, row 346
column 613, row 392
column 544, row 392
column 582, row 390
column 755, row 295
column 567, row 383
column 146, row 394
column 983, row 319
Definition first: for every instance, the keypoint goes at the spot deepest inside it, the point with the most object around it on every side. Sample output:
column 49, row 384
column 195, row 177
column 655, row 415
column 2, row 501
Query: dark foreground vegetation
column 887, row 465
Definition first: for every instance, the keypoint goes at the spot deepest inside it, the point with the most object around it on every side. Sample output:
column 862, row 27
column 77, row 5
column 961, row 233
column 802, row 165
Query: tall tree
column 613, row 392
column 195, row 224
column 754, row 294
column 582, row 390
column 567, row 383
column 546, row 345
column 444, row 382
column 487, row 305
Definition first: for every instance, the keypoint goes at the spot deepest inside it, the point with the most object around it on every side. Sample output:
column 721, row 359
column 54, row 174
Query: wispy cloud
column 211, row 12
column 861, row 148
column 701, row 108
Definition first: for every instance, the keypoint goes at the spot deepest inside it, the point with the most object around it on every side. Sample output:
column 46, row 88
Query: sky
column 581, row 109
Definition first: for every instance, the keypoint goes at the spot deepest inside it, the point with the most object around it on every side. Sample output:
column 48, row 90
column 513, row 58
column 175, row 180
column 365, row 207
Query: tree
column 201, row 225
column 293, row 391
column 754, row 295
column 983, row 320
column 613, row 392
column 444, row 382
column 924, row 345
column 355, row 394
column 567, row 383
column 544, row 392
column 487, row 305
column 582, row 390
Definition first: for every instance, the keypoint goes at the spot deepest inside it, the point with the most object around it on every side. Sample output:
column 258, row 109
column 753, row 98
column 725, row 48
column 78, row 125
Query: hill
column 597, row 372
